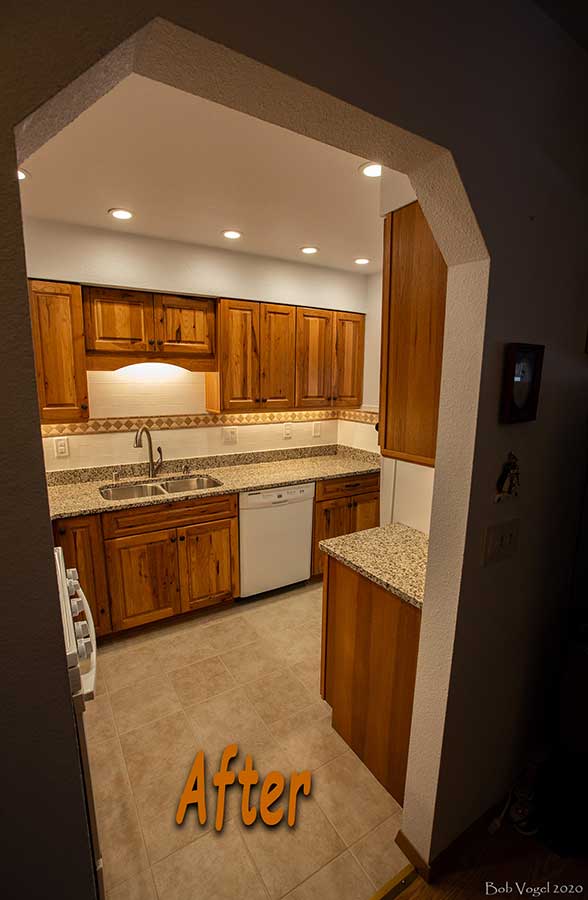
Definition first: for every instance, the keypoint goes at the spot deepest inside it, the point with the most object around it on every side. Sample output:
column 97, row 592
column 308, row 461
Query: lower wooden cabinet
column 208, row 558
column 80, row 538
column 143, row 578
column 356, row 510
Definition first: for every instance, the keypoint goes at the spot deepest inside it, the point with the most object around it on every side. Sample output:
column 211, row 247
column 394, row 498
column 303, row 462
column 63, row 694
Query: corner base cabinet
column 368, row 670
column 342, row 506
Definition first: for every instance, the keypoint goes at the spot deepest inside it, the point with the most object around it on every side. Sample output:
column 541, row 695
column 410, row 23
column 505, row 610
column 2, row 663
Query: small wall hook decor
column 508, row 481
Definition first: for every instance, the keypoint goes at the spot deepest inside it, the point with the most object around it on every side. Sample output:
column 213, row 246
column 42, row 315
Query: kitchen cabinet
column 413, row 317
column 314, row 358
column 208, row 556
column 343, row 505
column 143, row 577
column 236, row 386
column 185, row 326
column 119, row 321
column 277, row 356
column 368, row 670
column 171, row 558
column 347, row 365
column 80, row 537
column 58, row 340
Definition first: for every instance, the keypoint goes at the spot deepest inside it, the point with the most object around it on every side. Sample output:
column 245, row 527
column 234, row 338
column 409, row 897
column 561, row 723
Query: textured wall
column 502, row 88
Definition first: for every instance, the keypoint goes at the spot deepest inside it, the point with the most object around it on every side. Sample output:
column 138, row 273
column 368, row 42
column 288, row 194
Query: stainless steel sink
column 196, row 483
column 131, row 491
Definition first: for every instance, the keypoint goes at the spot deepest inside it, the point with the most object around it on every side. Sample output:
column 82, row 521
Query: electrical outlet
column 229, row 435
column 316, row 429
column 61, row 446
column 501, row 541
column 287, row 430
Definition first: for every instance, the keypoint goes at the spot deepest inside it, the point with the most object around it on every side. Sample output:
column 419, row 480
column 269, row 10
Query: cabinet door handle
column 62, row 531
column 160, row 343
column 151, row 342
column 354, row 484
column 83, row 406
column 173, row 540
column 182, row 538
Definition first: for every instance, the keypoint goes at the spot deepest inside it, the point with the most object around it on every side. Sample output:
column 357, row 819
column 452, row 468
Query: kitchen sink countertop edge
column 392, row 556
column 79, row 498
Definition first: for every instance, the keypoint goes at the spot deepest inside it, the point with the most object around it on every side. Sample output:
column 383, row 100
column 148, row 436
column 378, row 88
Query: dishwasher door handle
column 279, row 502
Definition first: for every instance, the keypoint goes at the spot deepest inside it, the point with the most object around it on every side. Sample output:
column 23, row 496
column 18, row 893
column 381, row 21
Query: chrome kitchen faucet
column 154, row 465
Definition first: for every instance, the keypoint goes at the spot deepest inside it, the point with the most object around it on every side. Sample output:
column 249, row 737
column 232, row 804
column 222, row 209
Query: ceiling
column 190, row 169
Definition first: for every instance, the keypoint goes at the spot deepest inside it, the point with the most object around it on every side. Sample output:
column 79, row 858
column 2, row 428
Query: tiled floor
column 250, row 675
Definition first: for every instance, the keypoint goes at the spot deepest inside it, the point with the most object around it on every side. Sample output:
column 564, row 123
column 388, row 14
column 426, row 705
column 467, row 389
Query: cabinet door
column 314, row 357
column 332, row 518
column 365, row 511
column 277, row 346
column 83, row 549
column 58, row 340
column 119, row 321
column 185, row 326
column 348, row 347
column 413, row 319
column 239, row 355
column 143, row 578
column 209, row 563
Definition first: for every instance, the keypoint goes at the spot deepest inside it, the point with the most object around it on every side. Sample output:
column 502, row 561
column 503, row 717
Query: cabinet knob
column 183, row 538
column 83, row 406
column 160, row 343
column 151, row 342
column 62, row 531
column 173, row 540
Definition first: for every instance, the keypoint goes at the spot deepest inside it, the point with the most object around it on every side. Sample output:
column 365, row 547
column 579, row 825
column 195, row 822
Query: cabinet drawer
column 344, row 487
column 151, row 518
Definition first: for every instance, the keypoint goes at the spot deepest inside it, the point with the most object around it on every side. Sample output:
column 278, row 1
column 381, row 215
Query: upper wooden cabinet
column 58, row 341
column 119, row 321
column 133, row 326
column 314, row 357
column 185, row 326
column 239, row 355
column 348, row 348
column 277, row 360
column 413, row 318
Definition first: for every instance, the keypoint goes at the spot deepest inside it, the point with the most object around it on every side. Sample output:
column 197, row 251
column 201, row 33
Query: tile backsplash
column 150, row 389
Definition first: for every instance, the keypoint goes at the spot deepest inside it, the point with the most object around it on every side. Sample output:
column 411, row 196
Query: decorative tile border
column 206, row 420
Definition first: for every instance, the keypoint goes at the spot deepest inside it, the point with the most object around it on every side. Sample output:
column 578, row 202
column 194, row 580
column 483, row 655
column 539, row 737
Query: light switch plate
column 316, row 429
column 61, row 446
column 287, row 430
column 229, row 435
column 501, row 541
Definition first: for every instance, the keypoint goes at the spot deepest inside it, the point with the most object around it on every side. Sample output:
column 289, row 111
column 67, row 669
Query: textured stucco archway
column 184, row 60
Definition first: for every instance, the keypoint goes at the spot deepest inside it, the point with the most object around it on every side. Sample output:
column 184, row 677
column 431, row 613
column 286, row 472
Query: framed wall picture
column 521, row 381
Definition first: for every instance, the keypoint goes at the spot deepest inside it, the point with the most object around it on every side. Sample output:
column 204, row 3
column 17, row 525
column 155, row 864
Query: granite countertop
column 393, row 556
column 77, row 498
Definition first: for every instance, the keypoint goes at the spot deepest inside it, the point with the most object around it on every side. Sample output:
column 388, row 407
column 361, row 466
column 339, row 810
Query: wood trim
column 323, row 686
column 396, row 886
column 346, row 486
column 408, row 457
column 385, row 330
column 97, row 361
column 424, row 869
column 138, row 520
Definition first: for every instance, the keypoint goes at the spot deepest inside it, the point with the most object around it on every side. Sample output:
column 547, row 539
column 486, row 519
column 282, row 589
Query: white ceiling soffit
column 190, row 169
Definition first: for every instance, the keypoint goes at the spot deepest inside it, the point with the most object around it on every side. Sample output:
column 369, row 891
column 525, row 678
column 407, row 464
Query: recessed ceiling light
column 361, row 261
column 22, row 174
column 371, row 170
column 118, row 213
column 232, row 235
column 309, row 250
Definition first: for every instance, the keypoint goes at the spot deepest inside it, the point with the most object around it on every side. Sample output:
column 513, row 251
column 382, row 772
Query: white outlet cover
column 316, row 429
column 61, row 446
column 229, row 435
column 287, row 430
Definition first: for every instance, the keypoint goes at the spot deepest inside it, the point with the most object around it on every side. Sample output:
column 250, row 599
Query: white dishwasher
column 275, row 537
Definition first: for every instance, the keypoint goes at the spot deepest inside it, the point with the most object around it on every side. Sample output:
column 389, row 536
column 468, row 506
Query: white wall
column 58, row 251
column 117, row 449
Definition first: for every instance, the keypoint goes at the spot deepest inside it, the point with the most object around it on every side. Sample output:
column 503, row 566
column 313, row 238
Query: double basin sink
column 157, row 489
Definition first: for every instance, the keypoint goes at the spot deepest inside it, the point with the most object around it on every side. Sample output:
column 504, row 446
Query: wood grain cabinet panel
column 209, row 563
column 348, row 353
column 332, row 518
column 369, row 660
column 239, row 355
column 277, row 355
column 80, row 538
column 143, row 578
column 365, row 511
column 58, row 339
column 314, row 357
column 119, row 321
column 185, row 326
column 413, row 319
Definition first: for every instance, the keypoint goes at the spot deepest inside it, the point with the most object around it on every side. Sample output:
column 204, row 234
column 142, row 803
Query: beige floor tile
column 231, row 632
column 352, row 798
column 121, row 841
column 201, row 680
column 296, row 644
column 308, row 672
column 379, row 854
column 253, row 661
column 100, row 685
column 215, row 867
column 181, row 648
column 269, row 620
column 128, row 664
column 98, row 720
column 341, row 879
column 313, row 743
column 144, row 702
column 163, row 836
column 277, row 696
column 140, row 887
column 226, row 719
column 108, row 771
column 286, row 856
column 283, row 728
